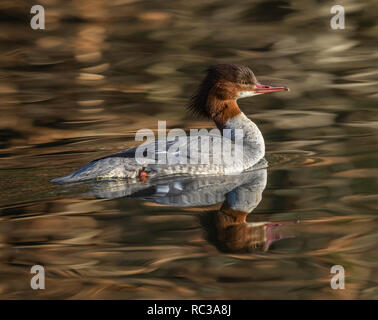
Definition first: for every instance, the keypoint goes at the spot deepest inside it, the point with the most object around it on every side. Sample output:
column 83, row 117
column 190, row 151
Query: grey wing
column 184, row 149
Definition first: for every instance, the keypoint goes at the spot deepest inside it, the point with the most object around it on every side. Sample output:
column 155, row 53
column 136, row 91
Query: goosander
column 216, row 99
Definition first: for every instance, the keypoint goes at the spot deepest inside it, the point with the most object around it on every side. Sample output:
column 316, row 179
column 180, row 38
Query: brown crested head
column 223, row 82
column 223, row 85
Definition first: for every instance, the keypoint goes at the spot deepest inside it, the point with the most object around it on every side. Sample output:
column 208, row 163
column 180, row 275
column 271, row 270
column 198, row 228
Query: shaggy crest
column 238, row 74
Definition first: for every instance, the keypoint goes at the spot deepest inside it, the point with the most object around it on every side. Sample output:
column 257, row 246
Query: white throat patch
column 244, row 94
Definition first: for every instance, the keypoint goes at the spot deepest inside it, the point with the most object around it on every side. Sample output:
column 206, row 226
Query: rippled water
column 102, row 69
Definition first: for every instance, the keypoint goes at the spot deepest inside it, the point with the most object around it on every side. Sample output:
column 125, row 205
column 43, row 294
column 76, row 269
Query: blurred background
column 102, row 69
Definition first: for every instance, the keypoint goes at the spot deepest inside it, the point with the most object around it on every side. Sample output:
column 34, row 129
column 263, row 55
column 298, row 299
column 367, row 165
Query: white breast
column 253, row 141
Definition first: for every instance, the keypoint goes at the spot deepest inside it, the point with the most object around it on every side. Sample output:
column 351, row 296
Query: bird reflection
column 226, row 228
column 229, row 231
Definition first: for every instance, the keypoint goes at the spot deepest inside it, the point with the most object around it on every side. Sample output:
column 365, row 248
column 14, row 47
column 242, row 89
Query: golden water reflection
column 101, row 70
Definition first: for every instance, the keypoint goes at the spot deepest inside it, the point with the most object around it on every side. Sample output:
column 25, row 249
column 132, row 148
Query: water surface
column 101, row 70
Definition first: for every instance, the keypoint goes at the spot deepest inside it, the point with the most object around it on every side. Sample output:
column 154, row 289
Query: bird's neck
column 253, row 140
column 221, row 110
column 251, row 132
column 227, row 115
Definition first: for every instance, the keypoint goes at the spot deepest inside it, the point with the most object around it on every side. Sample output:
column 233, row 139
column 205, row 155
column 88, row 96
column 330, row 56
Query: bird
column 216, row 99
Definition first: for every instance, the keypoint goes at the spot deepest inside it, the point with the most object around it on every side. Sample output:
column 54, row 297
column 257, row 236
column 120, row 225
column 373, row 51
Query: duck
column 215, row 99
